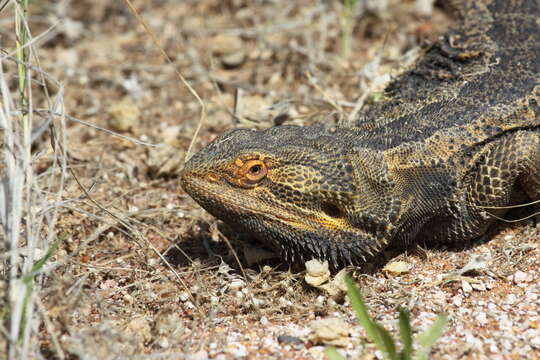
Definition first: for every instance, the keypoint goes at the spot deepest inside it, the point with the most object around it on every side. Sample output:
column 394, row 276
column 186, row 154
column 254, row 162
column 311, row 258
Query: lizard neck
column 376, row 207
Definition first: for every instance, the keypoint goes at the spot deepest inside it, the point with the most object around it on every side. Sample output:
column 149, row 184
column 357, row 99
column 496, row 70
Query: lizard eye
column 254, row 170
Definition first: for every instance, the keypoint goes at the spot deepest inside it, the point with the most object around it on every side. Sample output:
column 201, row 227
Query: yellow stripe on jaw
column 332, row 223
column 327, row 223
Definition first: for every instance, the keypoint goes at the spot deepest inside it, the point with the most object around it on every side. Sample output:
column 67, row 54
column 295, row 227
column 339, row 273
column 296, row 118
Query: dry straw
column 28, row 202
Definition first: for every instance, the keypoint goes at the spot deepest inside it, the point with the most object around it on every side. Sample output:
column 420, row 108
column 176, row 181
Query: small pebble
column 519, row 277
column 124, row 115
column 287, row 339
column 478, row 286
column 510, row 299
column 481, row 317
column 466, row 287
column 184, row 296
column 397, row 267
column 330, row 331
column 317, row 272
column 236, row 284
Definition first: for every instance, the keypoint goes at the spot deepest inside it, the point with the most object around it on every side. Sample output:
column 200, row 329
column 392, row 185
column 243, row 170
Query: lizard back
column 480, row 75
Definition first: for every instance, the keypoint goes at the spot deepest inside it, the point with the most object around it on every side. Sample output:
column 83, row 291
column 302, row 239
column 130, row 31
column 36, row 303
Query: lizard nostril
column 331, row 210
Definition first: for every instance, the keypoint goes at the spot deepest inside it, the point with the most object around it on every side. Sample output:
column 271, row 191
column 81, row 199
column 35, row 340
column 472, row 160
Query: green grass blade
column 39, row 264
column 362, row 315
column 428, row 338
column 405, row 333
column 389, row 345
column 333, row 354
column 28, row 280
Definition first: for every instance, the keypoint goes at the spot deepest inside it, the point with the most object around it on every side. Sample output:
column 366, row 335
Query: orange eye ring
column 253, row 170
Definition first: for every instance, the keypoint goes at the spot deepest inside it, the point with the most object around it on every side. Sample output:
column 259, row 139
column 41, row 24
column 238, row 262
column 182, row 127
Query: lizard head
column 295, row 188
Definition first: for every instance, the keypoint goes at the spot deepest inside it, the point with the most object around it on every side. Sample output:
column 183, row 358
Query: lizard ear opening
column 332, row 210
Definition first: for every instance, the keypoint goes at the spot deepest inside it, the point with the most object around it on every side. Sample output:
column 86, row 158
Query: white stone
column 237, row 284
column 467, row 288
column 520, row 276
column 183, row 296
column 481, row 317
column 510, row 299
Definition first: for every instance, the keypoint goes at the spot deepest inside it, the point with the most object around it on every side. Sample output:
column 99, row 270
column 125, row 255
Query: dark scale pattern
column 495, row 61
column 456, row 141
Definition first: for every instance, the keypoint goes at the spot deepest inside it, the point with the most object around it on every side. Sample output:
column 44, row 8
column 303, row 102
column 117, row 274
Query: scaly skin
column 456, row 141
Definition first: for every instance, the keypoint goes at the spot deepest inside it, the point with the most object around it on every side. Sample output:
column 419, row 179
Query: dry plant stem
column 22, row 196
column 325, row 95
column 510, row 207
column 33, row 223
column 366, row 92
column 94, row 126
column 21, row 37
column 346, row 28
column 31, row 42
column 16, row 157
column 515, row 220
column 12, row 211
column 182, row 79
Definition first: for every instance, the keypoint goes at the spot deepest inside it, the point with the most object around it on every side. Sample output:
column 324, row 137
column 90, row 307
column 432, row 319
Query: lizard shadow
column 192, row 247
column 236, row 250
column 217, row 243
column 231, row 246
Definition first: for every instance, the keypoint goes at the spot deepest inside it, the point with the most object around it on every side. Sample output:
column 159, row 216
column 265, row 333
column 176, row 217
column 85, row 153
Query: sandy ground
column 143, row 272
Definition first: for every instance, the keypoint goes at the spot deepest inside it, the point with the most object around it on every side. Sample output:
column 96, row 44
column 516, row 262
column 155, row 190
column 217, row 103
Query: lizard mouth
column 227, row 202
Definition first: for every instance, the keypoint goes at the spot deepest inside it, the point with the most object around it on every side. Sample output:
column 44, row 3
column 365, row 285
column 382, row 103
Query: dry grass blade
column 509, row 206
column 327, row 97
column 530, row 216
column 515, row 220
column 94, row 126
column 27, row 217
column 182, row 79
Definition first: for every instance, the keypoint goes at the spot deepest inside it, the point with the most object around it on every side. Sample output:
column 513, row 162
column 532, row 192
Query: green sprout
column 382, row 338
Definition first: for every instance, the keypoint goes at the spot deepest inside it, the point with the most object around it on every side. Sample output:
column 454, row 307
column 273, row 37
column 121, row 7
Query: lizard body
column 455, row 142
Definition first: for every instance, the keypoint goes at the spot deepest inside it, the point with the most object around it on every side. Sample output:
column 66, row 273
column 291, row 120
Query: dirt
column 143, row 272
